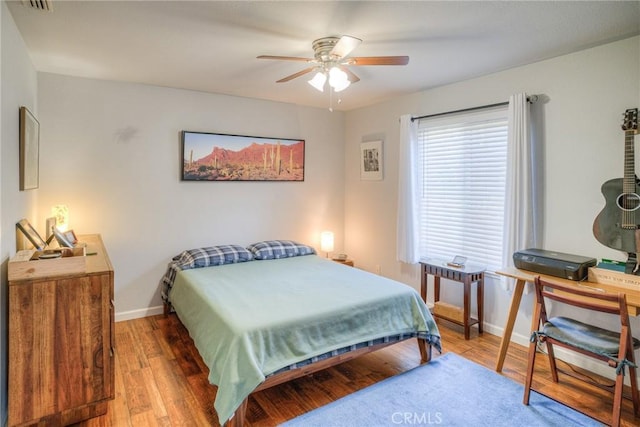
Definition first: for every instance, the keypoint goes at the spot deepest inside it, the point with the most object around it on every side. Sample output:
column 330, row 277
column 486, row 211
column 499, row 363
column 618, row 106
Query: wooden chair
column 615, row 348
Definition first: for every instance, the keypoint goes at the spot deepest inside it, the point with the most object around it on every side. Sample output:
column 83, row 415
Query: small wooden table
column 466, row 275
column 523, row 276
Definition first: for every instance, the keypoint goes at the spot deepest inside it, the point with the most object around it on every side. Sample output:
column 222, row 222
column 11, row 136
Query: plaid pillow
column 213, row 255
column 274, row 249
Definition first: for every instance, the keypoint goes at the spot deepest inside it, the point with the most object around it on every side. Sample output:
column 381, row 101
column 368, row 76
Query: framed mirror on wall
column 29, row 150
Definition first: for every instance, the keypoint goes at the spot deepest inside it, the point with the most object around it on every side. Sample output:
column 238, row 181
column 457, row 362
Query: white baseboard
column 137, row 314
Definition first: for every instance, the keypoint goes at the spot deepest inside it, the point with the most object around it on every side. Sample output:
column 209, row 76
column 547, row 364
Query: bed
column 274, row 311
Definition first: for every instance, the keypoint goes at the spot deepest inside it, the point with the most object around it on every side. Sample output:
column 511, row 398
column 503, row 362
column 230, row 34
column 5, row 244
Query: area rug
column 448, row 391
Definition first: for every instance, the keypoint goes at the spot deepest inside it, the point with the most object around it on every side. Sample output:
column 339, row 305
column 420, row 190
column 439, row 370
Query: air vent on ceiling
column 46, row 5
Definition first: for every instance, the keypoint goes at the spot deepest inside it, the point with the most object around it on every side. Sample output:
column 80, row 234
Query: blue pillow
column 213, row 255
column 274, row 249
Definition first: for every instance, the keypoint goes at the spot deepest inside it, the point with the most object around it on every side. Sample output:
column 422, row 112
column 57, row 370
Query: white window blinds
column 462, row 178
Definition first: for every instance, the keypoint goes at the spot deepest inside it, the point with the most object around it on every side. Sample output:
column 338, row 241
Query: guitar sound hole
column 628, row 202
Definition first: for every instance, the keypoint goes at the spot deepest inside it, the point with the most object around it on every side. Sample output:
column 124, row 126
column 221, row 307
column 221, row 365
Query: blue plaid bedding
column 229, row 254
column 386, row 340
column 202, row 257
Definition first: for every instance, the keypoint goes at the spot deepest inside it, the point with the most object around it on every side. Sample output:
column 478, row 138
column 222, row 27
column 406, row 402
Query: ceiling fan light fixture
column 318, row 81
column 338, row 79
column 331, row 62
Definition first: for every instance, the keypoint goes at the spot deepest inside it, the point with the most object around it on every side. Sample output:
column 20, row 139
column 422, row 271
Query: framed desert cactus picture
column 222, row 157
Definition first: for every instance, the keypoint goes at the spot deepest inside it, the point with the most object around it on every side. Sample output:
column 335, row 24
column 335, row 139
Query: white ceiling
column 212, row 46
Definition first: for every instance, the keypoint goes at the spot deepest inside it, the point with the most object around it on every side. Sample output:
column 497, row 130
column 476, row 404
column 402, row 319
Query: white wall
column 111, row 152
column 584, row 93
column 18, row 87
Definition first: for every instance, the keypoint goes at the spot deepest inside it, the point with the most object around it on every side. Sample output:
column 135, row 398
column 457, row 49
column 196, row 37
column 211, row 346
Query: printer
column 557, row 264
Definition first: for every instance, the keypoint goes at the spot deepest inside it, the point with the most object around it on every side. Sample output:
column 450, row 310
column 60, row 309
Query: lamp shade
column 318, row 81
column 61, row 213
column 326, row 241
column 338, row 79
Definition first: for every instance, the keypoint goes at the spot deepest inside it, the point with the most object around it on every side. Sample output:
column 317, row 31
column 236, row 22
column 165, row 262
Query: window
column 462, row 181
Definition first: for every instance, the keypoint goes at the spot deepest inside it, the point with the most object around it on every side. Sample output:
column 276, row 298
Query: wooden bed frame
column 238, row 418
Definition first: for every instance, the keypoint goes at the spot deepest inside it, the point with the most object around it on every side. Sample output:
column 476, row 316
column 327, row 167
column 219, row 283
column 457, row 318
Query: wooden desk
column 466, row 275
column 523, row 276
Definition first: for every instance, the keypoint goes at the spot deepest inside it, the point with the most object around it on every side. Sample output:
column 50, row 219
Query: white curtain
column 521, row 219
column 407, row 239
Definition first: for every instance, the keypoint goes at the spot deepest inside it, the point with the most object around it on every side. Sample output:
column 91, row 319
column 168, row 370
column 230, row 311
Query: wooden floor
column 161, row 380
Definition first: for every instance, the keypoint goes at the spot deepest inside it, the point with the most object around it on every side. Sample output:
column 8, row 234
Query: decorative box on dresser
column 61, row 351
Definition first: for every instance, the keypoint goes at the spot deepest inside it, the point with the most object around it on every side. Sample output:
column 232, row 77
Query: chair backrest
column 583, row 297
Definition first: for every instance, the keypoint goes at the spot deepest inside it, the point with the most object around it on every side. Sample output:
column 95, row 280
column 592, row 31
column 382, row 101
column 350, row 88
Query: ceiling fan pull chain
column 330, row 98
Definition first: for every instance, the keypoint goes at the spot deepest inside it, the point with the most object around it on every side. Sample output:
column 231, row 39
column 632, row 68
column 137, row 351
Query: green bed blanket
column 250, row 319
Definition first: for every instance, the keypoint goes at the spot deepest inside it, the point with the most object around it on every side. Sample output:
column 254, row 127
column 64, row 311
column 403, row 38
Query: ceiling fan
column 330, row 62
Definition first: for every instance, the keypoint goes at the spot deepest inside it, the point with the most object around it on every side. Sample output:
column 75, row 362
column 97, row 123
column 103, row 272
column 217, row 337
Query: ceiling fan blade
column 286, row 58
column 296, row 75
column 379, row 60
column 345, row 45
column 350, row 75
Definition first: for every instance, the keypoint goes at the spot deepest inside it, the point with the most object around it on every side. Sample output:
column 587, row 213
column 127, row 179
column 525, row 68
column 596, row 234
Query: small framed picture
column 66, row 239
column 50, row 224
column 71, row 236
column 27, row 229
column 371, row 160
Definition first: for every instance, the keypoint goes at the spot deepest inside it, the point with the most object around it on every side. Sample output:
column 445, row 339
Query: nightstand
column 466, row 275
column 348, row 262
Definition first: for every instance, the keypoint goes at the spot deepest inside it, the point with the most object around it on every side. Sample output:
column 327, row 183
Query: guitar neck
column 629, row 180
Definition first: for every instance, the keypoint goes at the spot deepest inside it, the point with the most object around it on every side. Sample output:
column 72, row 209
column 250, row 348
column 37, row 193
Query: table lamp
column 326, row 242
column 61, row 213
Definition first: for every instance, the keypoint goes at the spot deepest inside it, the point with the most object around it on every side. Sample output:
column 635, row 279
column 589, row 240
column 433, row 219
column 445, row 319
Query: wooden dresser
column 61, row 341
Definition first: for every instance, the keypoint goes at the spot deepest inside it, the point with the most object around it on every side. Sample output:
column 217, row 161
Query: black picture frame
column 224, row 157
column 31, row 234
column 371, row 161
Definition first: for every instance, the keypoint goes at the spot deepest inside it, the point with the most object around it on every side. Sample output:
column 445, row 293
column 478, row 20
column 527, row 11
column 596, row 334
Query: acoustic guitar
column 616, row 226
